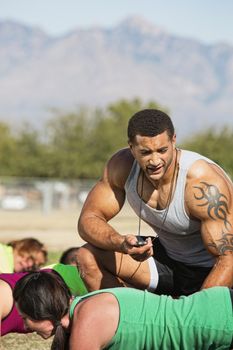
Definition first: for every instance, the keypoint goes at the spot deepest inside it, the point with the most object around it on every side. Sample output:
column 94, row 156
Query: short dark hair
column 69, row 256
column 149, row 122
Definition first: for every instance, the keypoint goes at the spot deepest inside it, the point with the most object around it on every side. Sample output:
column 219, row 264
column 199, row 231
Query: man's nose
column 154, row 159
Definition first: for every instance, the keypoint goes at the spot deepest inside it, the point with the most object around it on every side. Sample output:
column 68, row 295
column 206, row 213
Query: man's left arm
column 212, row 203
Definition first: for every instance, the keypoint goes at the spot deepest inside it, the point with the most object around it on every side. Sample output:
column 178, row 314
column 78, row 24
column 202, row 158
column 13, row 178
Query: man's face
column 154, row 154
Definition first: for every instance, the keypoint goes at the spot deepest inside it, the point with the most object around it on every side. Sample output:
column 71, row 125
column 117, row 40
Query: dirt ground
column 57, row 230
column 31, row 341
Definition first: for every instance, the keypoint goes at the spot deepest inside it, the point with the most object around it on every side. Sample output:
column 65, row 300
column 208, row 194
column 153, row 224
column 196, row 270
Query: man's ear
column 174, row 140
column 130, row 145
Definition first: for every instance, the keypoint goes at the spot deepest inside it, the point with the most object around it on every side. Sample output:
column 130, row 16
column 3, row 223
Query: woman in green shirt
column 125, row 318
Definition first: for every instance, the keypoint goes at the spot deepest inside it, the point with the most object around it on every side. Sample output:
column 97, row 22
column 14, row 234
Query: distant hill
column 96, row 66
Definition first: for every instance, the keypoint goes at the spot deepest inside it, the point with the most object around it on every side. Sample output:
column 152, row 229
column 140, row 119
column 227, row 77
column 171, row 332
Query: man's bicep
column 216, row 238
column 104, row 200
column 108, row 196
column 212, row 205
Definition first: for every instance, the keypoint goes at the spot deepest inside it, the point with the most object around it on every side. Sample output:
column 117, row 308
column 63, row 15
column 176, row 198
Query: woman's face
column 43, row 328
column 27, row 262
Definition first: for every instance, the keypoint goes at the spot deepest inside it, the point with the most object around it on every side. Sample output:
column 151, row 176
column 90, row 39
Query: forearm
column 100, row 233
column 221, row 274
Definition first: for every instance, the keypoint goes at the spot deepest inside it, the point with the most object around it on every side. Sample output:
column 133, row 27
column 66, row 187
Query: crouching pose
column 124, row 318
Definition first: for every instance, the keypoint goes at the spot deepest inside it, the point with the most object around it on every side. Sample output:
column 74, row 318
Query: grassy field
column 24, row 342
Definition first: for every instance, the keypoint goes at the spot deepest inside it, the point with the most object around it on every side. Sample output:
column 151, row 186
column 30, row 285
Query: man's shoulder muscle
column 202, row 170
column 119, row 167
column 206, row 179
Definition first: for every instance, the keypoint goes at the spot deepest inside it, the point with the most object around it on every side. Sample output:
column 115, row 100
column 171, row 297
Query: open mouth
column 41, row 334
column 152, row 170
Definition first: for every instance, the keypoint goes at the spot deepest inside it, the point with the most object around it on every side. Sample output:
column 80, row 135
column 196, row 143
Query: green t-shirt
column 6, row 259
column 201, row 321
column 71, row 277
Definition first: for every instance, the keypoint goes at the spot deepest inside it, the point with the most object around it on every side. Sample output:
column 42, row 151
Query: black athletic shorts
column 176, row 278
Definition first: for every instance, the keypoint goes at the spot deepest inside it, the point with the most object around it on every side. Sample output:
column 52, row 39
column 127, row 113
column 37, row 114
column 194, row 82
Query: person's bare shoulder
column 206, row 180
column 91, row 326
column 202, row 170
column 6, row 299
column 119, row 167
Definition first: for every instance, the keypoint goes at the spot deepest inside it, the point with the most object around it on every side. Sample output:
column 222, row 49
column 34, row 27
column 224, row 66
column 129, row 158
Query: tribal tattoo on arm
column 224, row 244
column 217, row 209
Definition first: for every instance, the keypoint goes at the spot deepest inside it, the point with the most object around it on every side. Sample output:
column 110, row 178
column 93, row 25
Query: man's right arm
column 104, row 202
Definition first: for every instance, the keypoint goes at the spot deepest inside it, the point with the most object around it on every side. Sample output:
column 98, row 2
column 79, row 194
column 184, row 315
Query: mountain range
column 97, row 66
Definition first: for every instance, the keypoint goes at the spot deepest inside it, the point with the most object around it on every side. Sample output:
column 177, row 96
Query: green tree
column 31, row 153
column 7, row 151
column 110, row 131
column 67, row 137
column 216, row 145
column 80, row 143
column 72, row 145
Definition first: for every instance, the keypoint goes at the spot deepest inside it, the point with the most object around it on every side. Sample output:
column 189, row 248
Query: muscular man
column 186, row 198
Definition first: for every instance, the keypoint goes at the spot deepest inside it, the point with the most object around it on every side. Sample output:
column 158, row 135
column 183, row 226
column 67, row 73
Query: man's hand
column 139, row 253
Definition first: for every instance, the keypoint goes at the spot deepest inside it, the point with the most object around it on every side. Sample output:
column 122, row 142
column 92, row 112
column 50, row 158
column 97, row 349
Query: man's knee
column 88, row 268
column 86, row 257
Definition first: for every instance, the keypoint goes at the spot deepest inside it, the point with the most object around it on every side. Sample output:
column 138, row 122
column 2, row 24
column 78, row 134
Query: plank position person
column 124, row 318
column 22, row 255
column 185, row 197
column 10, row 319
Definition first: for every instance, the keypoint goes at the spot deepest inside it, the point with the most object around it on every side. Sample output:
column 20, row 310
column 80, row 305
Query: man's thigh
column 131, row 272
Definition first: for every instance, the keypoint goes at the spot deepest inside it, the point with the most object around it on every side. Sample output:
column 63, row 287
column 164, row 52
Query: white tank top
column 180, row 235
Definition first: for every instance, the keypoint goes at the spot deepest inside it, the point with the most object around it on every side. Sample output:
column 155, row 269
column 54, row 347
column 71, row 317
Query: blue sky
column 207, row 20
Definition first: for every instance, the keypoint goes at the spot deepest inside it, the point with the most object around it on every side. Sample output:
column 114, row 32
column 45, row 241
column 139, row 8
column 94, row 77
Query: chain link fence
column 45, row 195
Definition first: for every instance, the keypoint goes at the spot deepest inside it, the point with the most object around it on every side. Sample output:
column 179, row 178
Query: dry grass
column 24, row 342
column 58, row 229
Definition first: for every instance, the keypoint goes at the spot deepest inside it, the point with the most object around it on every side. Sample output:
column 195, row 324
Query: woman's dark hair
column 44, row 296
column 149, row 122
